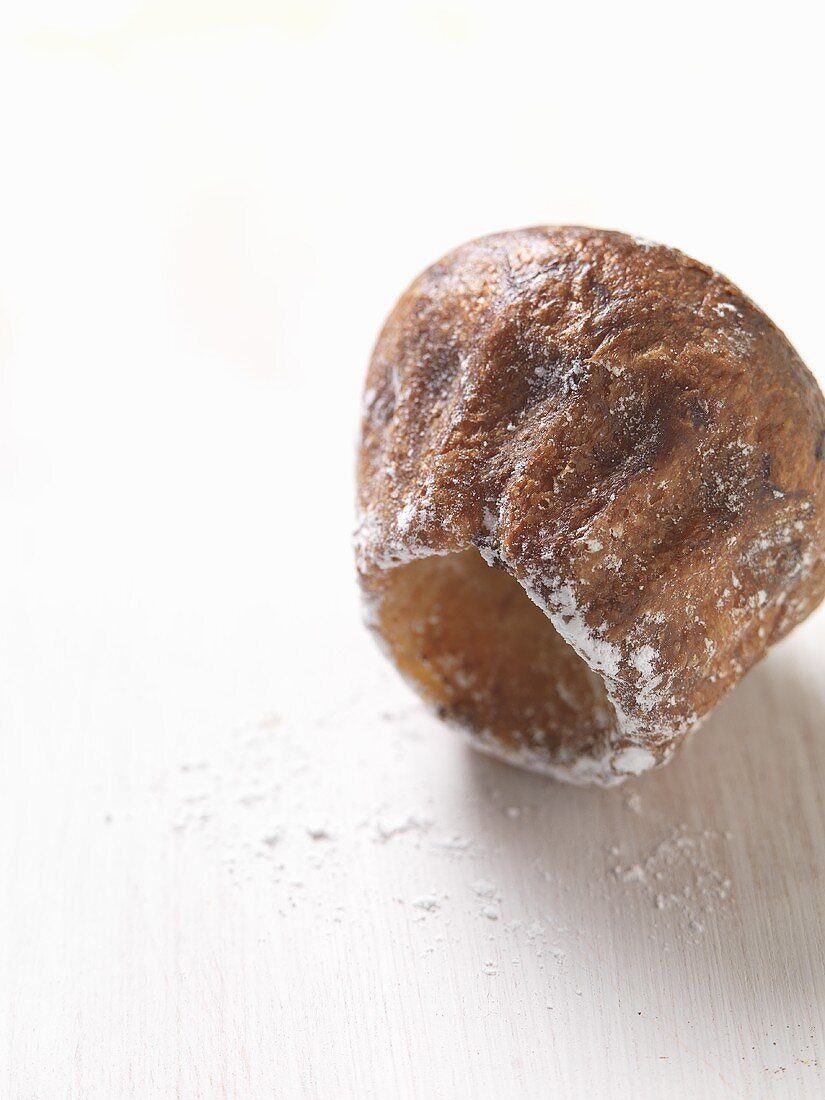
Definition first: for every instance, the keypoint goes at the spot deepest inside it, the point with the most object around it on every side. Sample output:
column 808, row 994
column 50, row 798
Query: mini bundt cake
column 591, row 491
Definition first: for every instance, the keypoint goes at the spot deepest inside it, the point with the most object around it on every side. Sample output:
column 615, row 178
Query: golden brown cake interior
column 473, row 643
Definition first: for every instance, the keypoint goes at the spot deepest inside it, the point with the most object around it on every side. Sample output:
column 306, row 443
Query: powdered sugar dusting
column 634, row 760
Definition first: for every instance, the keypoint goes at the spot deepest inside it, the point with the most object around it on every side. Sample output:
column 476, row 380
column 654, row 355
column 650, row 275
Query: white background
column 236, row 858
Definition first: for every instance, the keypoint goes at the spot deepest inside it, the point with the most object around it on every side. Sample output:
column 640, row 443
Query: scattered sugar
column 430, row 903
column 409, row 823
column 483, row 888
column 455, row 843
column 636, row 873
column 681, row 873
column 264, row 831
column 634, row 802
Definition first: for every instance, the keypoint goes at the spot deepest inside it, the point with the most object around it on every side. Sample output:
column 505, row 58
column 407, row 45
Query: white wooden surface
column 236, row 857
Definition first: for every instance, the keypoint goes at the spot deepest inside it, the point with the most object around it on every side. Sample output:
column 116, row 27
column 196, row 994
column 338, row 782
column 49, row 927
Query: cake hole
column 474, row 644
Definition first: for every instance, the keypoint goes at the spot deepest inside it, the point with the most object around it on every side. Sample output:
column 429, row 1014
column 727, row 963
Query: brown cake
column 591, row 492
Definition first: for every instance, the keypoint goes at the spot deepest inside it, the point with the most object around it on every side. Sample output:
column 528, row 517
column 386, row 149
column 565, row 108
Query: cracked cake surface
column 617, row 432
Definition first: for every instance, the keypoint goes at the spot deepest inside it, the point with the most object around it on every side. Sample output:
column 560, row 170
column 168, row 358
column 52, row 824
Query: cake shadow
column 713, row 860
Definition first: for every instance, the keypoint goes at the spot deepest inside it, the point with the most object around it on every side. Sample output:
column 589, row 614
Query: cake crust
column 625, row 438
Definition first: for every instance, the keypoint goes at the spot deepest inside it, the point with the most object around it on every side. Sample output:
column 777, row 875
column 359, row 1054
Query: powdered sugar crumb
column 430, row 903
column 633, row 760
column 634, row 802
column 682, row 873
column 409, row 823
